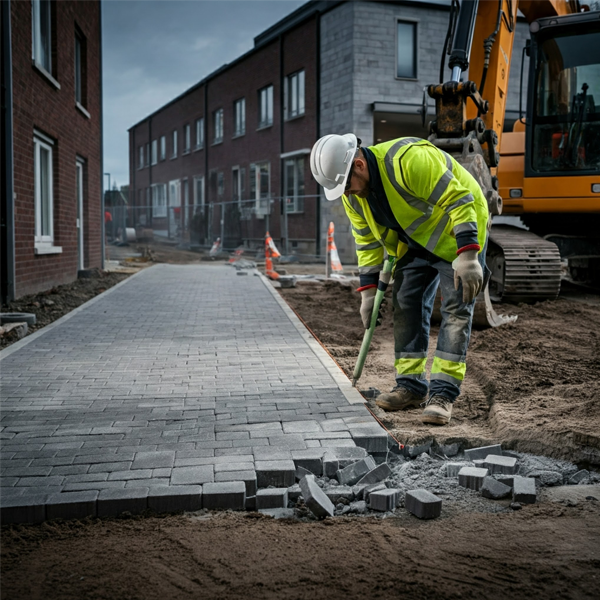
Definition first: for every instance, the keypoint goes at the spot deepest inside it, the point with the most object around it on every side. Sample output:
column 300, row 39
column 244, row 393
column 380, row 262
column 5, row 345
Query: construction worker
column 411, row 199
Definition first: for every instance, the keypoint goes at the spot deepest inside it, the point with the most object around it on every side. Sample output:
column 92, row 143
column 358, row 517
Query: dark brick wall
column 38, row 104
column 242, row 79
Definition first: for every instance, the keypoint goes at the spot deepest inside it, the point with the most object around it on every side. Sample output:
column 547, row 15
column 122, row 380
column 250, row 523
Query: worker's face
column 358, row 181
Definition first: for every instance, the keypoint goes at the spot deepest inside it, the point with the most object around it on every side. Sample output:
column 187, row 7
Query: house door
column 80, row 244
column 174, row 209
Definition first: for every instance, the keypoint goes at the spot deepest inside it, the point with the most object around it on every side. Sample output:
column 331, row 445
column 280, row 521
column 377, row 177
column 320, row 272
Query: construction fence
column 295, row 224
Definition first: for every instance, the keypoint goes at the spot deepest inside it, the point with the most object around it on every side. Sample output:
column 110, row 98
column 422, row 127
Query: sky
column 153, row 50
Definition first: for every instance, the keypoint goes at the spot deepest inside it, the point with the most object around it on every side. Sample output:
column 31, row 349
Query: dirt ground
column 531, row 385
column 550, row 550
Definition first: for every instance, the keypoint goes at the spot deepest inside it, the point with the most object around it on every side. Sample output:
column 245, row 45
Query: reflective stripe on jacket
column 432, row 197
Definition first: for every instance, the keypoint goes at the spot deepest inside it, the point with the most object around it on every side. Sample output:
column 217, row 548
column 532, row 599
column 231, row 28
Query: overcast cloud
column 153, row 50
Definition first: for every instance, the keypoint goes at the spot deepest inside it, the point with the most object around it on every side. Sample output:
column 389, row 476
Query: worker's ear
column 360, row 165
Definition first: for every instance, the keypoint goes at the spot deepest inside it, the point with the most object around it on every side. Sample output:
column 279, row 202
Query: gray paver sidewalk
column 179, row 377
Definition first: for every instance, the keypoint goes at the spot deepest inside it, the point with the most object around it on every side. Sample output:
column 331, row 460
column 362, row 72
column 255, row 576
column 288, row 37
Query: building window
column 198, row 194
column 79, row 179
column 294, row 184
column 260, row 187
column 406, row 50
column 44, row 196
column 154, row 151
column 147, row 155
column 174, row 148
column 141, row 163
column 187, row 138
column 199, row 134
column 218, row 125
column 294, row 95
column 265, row 107
column 240, row 116
column 80, row 69
column 159, row 200
column 163, row 147
column 42, row 34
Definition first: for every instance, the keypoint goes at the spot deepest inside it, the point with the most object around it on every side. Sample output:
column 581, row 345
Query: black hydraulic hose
column 454, row 8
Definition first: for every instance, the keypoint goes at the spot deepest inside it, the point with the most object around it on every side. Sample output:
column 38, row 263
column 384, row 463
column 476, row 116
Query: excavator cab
column 564, row 99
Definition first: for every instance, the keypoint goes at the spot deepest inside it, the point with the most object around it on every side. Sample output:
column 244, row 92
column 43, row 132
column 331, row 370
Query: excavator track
column 525, row 267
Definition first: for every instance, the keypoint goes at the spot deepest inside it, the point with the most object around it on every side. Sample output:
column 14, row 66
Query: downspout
column 102, row 224
column 7, row 227
column 282, row 202
column 318, row 122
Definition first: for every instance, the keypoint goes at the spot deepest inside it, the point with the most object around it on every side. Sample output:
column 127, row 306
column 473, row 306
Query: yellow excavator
column 547, row 170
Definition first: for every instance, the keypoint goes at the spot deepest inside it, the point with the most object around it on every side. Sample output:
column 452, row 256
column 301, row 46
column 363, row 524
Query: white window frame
column 174, row 142
column 294, row 105
column 262, row 202
column 44, row 242
column 42, row 57
column 239, row 112
column 163, row 147
column 199, row 133
column 79, row 178
column 218, row 126
column 415, row 24
column 265, row 107
column 296, row 204
column 187, row 137
column 199, row 198
column 159, row 200
column 154, row 151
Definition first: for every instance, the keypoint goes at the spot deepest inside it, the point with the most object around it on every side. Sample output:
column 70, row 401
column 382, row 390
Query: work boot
column 438, row 411
column 400, row 398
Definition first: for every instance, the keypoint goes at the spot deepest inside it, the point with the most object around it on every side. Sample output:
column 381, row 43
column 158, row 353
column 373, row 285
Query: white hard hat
column 330, row 162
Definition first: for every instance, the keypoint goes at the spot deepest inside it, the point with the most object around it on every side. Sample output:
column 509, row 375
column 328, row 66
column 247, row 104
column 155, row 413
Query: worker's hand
column 366, row 306
column 468, row 270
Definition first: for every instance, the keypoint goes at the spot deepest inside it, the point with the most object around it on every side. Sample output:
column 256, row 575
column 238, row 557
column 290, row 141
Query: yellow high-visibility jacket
column 432, row 197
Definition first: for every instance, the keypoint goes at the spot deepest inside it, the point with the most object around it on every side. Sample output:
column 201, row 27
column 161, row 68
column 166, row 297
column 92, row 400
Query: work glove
column 367, row 301
column 468, row 270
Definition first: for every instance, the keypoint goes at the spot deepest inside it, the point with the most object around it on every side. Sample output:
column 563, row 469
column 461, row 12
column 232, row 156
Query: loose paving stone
column 175, row 498
column 339, row 492
column 369, row 489
column 482, row 452
column 278, row 513
column 371, row 441
column 500, row 464
column 310, row 460
column 379, row 473
column 276, row 473
column 30, row 508
column 494, row 490
column 248, row 477
column 352, row 473
column 230, row 495
column 315, row 499
column 580, row 476
column 472, row 477
column 294, row 492
column 384, row 500
column 272, row 498
column 506, row 480
column 112, row 503
column 452, row 469
column 524, row 490
column 301, row 472
column 72, row 505
column 423, row 504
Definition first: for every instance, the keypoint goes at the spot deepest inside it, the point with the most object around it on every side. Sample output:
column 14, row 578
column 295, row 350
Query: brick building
column 331, row 67
column 51, row 143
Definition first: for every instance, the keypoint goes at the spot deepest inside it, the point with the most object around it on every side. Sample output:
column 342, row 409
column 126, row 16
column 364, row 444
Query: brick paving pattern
column 179, row 379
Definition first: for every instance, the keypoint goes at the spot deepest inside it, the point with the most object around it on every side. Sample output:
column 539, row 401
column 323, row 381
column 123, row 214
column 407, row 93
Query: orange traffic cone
column 334, row 258
column 237, row 255
column 270, row 253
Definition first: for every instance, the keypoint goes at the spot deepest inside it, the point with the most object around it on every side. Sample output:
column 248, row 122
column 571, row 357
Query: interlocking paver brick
column 272, row 498
column 136, row 408
column 276, row 473
column 175, row 498
column 114, row 502
column 72, row 505
column 230, row 495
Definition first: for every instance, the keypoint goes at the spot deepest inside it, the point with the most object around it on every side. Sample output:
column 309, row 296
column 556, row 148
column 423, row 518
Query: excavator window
column 566, row 105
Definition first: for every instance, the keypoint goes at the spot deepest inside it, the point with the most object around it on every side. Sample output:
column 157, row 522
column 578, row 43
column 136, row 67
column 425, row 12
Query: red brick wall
column 37, row 104
column 241, row 80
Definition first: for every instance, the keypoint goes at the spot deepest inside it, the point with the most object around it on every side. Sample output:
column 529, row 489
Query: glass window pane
column 45, row 34
column 45, row 212
column 270, row 104
column 301, row 93
column 406, row 50
column 77, row 69
column 294, row 96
